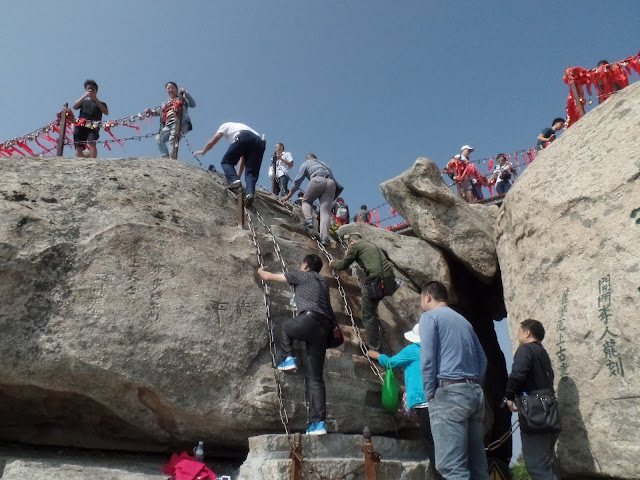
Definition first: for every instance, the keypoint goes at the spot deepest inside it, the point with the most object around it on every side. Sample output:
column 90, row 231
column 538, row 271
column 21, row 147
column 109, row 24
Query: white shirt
column 499, row 169
column 281, row 167
column 231, row 130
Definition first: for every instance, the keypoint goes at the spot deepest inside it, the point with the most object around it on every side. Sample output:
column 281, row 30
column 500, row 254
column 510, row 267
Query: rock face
column 569, row 250
column 443, row 219
column 133, row 317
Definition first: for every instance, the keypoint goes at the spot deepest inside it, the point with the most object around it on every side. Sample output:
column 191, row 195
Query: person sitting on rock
column 548, row 135
column 245, row 142
column 169, row 119
column 377, row 268
column 312, row 325
column 409, row 358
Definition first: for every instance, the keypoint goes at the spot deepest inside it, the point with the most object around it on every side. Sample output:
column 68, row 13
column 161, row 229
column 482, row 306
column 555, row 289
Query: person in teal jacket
column 409, row 358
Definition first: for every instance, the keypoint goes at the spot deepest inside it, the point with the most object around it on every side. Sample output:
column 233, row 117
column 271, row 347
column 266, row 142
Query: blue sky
column 368, row 86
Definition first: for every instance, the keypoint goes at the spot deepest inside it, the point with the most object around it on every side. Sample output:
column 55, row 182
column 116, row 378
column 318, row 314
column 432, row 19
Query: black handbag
column 336, row 337
column 339, row 189
column 538, row 412
column 375, row 288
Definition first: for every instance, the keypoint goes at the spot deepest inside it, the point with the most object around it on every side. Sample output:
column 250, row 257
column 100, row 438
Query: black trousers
column 313, row 329
column 425, row 429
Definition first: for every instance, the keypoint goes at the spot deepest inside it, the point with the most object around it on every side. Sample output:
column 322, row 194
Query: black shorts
column 82, row 135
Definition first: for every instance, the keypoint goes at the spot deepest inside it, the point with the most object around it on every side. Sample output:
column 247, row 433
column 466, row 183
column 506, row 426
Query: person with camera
column 530, row 392
column 283, row 162
column 91, row 111
column 502, row 175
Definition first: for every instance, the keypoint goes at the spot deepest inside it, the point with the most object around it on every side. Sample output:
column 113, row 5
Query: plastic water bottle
column 198, row 452
column 292, row 301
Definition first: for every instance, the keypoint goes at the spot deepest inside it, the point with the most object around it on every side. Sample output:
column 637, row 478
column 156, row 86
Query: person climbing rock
column 378, row 271
column 322, row 186
column 245, row 142
column 312, row 326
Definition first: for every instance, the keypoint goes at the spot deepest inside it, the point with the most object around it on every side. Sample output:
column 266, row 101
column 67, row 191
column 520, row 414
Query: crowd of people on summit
column 444, row 362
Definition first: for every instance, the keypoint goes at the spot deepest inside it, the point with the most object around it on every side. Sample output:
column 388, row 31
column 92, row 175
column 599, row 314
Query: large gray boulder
column 443, row 219
column 569, row 250
column 133, row 317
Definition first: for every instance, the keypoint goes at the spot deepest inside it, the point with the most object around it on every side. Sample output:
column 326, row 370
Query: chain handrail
column 284, row 417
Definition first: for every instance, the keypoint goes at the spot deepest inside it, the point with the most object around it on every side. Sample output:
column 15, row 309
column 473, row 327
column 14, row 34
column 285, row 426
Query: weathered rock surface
column 133, row 317
column 569, row 250
column 443, row 219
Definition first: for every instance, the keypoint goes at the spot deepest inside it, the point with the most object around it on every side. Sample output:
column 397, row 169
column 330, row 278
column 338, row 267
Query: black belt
column 444, row 383
column 323, row 176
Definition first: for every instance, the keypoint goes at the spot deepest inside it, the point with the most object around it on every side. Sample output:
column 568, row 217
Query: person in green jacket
column 375, row 263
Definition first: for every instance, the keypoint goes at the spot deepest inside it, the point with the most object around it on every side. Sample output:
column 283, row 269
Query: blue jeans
column 503, row 187
column 251, row 147
column 167, row 133
column 457, row 423
column 284, row 184
column 538, row 450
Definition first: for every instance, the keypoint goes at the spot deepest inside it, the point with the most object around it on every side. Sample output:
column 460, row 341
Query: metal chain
column 343, row 294
column 499, row 442
column 272, row 343
column 210, row 172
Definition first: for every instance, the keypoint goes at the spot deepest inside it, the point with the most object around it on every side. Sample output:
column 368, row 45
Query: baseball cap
column 467, row 147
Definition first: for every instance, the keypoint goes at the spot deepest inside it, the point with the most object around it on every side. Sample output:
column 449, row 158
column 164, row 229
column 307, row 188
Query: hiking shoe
column 248, row 200
column 235, row 185
column 308, row 224
column 317, row 428
column 288, row 364
column 326, row 242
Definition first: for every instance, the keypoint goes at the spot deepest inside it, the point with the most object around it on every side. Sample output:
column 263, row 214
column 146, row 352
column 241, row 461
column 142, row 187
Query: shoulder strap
column 538, row 352
column 328, row 169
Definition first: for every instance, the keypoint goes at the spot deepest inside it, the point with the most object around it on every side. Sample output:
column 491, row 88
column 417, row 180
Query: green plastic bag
column 390, row 392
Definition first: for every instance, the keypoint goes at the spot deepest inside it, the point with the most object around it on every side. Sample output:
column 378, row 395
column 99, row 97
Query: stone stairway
column 333, row 457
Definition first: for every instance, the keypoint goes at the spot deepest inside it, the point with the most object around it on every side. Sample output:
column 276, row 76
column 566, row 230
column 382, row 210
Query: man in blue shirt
column 453, row 366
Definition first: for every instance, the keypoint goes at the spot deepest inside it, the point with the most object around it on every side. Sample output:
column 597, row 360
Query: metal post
column 371, row 457
column 178, row 128
column 576, row 98
column 63, row 130
column 275, row 187
column 240, row 208
column 296, row 457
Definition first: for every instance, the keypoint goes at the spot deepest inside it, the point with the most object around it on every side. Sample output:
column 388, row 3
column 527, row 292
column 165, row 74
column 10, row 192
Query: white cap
column 467, row 147
column 413, row 335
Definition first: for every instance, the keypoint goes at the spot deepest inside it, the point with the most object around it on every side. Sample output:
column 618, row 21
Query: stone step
column 348, row 469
